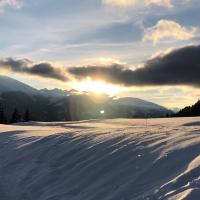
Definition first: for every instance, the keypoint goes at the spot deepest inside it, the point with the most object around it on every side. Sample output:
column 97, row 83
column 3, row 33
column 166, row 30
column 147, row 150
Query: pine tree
column 15, row 116
column 27, row 115
column 2, row 115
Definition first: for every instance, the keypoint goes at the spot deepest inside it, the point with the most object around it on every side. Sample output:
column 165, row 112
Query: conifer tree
column 15, row 116
column 27, row 115
column 2, row 115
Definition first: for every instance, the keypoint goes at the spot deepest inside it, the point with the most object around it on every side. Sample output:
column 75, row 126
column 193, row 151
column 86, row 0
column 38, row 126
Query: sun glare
column 102, row 112
column 97, row 87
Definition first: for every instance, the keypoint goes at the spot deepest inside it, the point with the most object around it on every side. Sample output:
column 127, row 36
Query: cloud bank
column 179, row 67
column 167, row 29
column 25, row 66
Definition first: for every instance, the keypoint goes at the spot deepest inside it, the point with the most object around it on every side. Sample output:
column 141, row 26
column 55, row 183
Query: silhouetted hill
column 41, row 108
column 190, row 111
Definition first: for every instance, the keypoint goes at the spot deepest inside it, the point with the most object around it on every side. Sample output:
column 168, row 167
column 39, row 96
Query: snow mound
column 101, row 160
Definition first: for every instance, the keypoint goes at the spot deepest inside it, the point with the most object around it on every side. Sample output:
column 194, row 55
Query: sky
column 147, row 49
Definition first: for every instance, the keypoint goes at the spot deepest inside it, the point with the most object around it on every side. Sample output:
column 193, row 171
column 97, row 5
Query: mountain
column 190, row 111
column 130, row 101
column 8, row 84
column 63, row 105
column 55, row 92
column 134, row 107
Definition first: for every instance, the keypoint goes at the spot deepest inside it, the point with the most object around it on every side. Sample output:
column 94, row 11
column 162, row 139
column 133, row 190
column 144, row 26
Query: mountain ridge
column 190, row 111
column 12, row 85
column 63, row 105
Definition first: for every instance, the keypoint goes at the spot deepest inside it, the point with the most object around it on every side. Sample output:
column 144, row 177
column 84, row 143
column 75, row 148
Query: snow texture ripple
column 101, row 160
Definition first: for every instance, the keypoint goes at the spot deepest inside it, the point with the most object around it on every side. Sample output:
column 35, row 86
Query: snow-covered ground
column 101, row 160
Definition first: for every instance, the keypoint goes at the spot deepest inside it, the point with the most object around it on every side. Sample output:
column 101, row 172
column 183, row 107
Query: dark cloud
column 179, row 67
column 45, row 70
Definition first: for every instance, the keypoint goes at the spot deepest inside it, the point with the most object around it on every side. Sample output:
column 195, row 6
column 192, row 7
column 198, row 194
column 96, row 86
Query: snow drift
column 101, row 160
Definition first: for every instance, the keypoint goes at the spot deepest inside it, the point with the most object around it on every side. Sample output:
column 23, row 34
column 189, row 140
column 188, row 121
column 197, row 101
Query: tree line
column 190, row 111
column 15, row 117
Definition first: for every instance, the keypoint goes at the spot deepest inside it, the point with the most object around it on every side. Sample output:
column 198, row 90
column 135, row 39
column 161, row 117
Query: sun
column 97, row 87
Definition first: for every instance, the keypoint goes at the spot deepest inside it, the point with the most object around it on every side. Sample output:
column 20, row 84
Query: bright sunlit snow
column 102, row 112
column 101, row 160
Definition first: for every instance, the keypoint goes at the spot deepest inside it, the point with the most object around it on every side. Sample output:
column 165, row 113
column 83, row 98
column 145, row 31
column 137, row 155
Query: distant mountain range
column 55, row 92
column 62, row 105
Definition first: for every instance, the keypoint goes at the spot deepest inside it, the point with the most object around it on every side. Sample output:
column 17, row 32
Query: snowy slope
column 8, row 84
column 55, row 92
column 101, row 160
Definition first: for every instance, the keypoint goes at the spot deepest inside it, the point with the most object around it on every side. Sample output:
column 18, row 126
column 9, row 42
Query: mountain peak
column 12, row 85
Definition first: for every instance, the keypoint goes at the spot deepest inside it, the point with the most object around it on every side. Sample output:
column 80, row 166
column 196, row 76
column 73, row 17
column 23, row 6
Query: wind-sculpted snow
column 101, row 160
